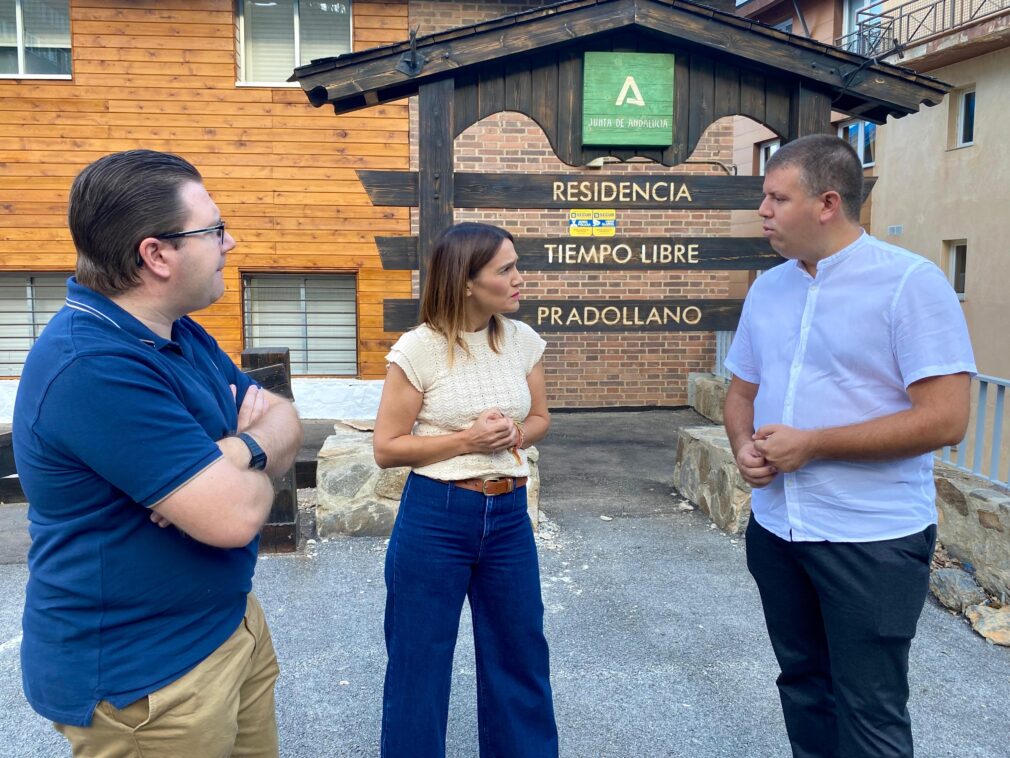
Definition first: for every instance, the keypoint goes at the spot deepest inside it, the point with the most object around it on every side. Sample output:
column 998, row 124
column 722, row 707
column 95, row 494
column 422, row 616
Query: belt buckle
column 485, row 482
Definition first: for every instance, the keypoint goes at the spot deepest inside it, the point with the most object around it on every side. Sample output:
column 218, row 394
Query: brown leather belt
column 488, row 487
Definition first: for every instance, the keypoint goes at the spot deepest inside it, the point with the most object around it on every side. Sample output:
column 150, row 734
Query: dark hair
column 459, row 255
column 115, row 203
column 825, row 163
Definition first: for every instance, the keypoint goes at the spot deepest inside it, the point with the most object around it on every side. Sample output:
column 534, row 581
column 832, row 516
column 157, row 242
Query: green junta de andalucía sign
column 627, row 99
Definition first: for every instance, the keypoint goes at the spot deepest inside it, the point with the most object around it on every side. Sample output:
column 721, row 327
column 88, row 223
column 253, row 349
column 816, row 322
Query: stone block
column 706, row 474
column 707, row 394
column 355, row 497
column 991, row 623
column 974, row 521
column 955, row 588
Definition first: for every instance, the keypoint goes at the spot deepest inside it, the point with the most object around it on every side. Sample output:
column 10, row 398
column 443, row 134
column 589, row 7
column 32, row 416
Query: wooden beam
column 435, row 178
column 330, row 83
column 613, row 253
column 732, row 39
column 280, row 533
column 621, row 191
column 7, row 454
column 772, row 51
column 601, row 315
column 809, row 112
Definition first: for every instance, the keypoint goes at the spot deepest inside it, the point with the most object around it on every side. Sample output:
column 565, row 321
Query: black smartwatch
column 259, row 458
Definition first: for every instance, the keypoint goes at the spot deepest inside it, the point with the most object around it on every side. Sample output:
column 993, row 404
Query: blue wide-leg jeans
column 448, row 544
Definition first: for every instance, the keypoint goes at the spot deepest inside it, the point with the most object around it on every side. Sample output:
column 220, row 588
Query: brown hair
column 116, row 202
column 459, row 255
column 826, row 163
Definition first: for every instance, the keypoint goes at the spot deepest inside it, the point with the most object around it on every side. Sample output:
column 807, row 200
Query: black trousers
column 841, row 617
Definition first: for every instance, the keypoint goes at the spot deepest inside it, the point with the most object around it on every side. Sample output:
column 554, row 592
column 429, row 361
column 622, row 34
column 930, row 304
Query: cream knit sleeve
column 415, row 352
column 531, row 345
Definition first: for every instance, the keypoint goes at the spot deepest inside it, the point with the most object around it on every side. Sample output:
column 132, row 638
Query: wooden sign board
column 637, row 253
column 566, row 191
column 600, row 315
column 627, row 99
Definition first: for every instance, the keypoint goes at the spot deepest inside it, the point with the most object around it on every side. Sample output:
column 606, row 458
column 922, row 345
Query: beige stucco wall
column 937, row 193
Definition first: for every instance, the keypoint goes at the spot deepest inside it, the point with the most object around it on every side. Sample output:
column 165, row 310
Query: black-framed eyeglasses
column 218, row 227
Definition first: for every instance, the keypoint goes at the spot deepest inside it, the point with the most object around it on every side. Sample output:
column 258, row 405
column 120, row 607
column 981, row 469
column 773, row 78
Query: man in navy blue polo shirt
column 145, row 454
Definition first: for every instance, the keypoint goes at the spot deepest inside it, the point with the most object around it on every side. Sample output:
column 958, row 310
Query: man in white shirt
column 851, row 365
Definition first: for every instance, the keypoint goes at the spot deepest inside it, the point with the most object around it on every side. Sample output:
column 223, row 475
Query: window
column 277, row 36
column 965, row 118
column 957, row 260
column 35, row 38
column 862, row 135
column 852, row 17
column 784, row 26
column 314, row 316
column 27, row 302
column 863, row 29
column 765, row 151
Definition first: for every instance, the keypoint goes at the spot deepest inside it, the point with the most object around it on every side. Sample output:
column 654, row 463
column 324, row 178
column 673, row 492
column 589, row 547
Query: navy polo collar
column 86, row 300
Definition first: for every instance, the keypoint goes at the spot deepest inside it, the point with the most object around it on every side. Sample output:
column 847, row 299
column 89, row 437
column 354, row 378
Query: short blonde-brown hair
column 459, row 255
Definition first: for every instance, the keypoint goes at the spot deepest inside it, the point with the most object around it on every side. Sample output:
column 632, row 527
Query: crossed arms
column 227, row 503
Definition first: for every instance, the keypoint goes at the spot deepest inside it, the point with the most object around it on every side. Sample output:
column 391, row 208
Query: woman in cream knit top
column 483, row 380
column 464, row 396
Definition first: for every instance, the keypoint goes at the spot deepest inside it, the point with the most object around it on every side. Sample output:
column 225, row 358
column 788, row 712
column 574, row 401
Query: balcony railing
column 984, row 452
column 886, row 25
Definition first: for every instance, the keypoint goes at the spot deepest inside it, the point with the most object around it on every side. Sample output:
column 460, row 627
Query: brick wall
column 591, row 370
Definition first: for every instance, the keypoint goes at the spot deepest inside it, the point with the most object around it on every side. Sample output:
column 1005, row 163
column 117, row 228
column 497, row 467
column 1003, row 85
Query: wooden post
column 7, row 454
column 809, row 112
column 271, row 367
column 435, row 166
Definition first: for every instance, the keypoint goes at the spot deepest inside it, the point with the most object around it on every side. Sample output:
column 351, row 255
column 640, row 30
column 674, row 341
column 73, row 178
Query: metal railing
column 722, row 343
column 884, row 26
column 983, row 452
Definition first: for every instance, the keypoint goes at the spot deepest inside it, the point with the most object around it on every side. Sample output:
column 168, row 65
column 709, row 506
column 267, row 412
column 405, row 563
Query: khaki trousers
column 224, row 707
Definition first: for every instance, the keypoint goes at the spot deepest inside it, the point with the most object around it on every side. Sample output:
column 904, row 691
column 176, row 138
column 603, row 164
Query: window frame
column 950, row 266
column 762, row 161
column 31, row 300
column 296, row 42
column 302, row 276
column 842, row 126
column 19, row 35
column 962, row 98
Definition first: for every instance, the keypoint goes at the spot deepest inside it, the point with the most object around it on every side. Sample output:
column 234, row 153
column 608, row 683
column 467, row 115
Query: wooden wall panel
column 162, row 74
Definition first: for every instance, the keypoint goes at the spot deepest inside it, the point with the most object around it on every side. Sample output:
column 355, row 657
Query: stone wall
column 355, row 497
column 706, row 393
column 706, row 474
column 975, row 526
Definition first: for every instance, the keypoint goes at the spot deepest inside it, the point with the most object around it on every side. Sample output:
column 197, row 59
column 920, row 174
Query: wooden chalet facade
column 167, row 75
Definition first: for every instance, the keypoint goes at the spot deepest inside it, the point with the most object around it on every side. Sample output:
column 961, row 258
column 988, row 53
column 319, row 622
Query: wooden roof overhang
column 531, row 62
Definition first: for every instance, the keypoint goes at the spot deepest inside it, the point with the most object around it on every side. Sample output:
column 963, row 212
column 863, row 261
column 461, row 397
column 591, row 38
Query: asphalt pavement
column 658, row 646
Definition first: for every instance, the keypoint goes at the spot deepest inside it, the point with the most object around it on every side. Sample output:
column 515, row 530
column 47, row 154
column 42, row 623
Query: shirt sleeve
column 740, row 358
column 929, row 333
column 531, row 345
column 412, row 355
column 135, row 433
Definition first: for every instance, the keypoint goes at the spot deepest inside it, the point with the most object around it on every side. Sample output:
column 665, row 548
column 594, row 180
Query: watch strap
column 258, row 459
